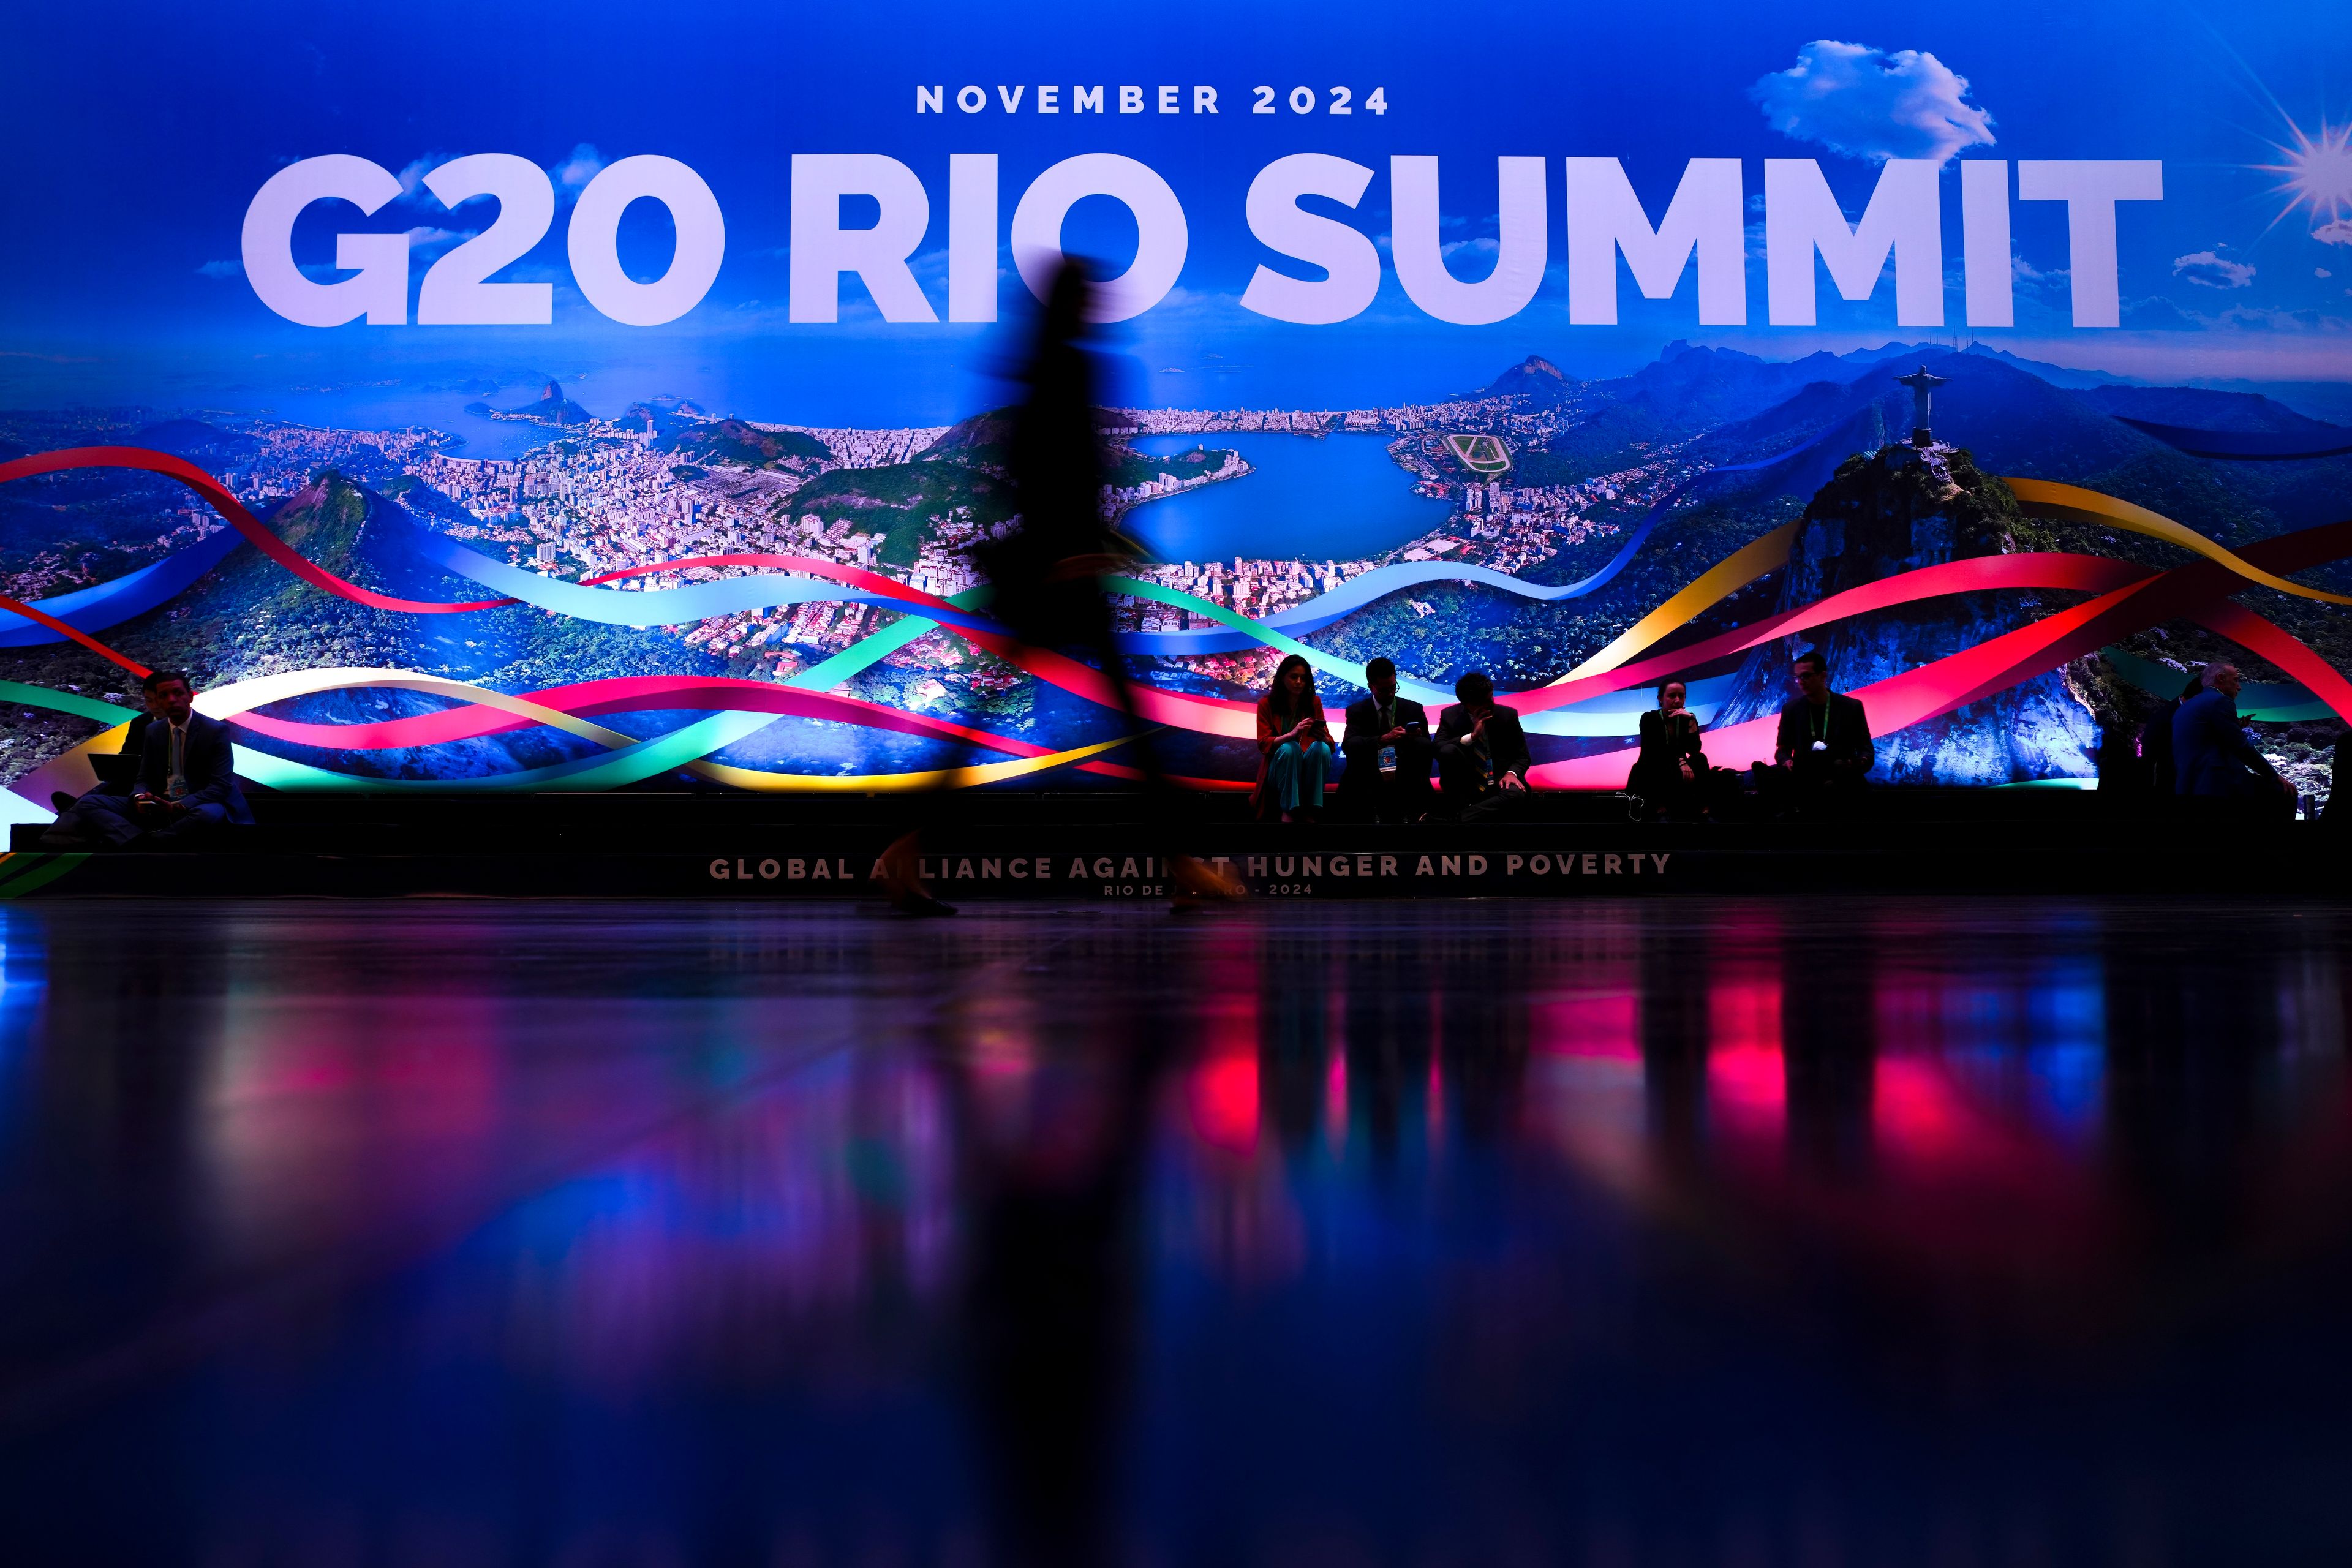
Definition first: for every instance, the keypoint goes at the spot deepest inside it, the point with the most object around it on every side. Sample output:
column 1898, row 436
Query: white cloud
column 2339, row 232
column 574, row 173
column 2255, row 318
column 2321, row 272
column 231, row 268
column 2211, row 270
column 1866, row 103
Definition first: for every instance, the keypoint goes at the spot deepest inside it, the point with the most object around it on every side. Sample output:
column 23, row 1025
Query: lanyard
column 1822, row 733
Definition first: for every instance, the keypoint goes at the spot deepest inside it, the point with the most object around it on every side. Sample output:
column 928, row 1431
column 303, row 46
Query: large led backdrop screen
column 608, row 396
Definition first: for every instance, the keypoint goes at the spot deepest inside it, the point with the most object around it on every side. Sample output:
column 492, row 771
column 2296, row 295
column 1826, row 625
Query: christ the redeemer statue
column 1921, row 383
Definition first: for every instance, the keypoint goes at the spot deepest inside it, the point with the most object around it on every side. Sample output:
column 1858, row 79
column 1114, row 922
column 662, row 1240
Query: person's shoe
column 61, row 801
column 902, row 883
column 1197, row 883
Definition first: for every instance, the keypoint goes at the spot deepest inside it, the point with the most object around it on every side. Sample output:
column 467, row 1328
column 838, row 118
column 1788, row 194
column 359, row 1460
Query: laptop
column 116, row 767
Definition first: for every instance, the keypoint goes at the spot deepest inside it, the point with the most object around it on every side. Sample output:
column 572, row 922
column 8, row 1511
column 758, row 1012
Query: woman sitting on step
column 1670, row 776
column 1293, row 746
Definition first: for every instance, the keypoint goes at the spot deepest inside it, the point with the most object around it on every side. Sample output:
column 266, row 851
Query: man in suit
column 1387, row 747
column 186, row 789
column 1823, row 749
column 2211, row 754
column 1482, row 753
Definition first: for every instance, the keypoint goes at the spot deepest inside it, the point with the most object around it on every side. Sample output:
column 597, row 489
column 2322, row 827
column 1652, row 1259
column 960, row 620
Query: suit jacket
column 210, row 765
column 1362, row 746
column 1506, row 741
column 2211, row 754
column 1845, row 728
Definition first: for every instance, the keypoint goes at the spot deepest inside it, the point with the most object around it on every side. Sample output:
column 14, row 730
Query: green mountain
column 732, row 441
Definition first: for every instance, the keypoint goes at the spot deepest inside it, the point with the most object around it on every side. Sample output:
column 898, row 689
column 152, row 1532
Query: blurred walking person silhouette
column 1046, row 574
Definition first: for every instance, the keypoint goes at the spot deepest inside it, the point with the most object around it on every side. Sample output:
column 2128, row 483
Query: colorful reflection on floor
column 1674, row 1232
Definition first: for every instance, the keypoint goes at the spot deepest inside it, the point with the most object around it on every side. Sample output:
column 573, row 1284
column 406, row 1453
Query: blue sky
column 141, row 133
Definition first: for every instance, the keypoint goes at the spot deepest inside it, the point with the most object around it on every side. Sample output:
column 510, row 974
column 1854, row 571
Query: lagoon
column 1334, row 498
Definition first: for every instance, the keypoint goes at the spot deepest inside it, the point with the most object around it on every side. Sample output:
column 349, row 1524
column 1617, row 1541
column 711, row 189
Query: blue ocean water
column 1337, row 497
column 395, row 406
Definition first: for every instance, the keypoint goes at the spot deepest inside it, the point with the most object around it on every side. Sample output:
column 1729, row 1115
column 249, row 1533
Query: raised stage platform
column 1092, row 847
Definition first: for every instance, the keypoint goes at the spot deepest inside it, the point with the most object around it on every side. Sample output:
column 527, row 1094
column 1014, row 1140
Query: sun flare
column 2315, row 172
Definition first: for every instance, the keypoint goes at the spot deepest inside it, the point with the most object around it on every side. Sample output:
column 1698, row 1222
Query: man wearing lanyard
column 1387, row 748
column 1824, row 744
column 187, row 782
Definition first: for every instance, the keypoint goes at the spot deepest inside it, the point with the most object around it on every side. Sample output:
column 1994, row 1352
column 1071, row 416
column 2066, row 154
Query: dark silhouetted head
column 1812, row 675
column 168, row 694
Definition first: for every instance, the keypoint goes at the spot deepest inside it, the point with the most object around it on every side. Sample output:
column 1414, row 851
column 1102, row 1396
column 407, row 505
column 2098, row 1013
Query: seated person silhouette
column 2211, row 758
column 1669, row 777
column 186, row 789
column 1293, row 746
column 1387, row 747
column 1482, row 753
column 1824, row 750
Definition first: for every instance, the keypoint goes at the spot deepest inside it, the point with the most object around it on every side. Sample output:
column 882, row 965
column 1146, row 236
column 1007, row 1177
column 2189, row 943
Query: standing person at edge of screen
column 1045, row 573
column 1669, row 775
column 1482, row 753
column 1823, row 749
column 1387, row 747
column 1293, row 746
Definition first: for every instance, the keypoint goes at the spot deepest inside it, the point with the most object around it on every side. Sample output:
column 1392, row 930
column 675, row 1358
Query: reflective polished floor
column 1826, row 1233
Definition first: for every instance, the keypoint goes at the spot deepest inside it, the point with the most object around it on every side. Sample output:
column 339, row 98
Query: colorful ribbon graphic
column 1595, row 699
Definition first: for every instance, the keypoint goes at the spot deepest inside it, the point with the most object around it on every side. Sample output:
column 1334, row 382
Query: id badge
column 1388, row 759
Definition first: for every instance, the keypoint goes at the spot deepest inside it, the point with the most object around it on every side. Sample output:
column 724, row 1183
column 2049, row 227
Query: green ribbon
column 871, row 650
column 80, row 706
column 2269, row 704
column 24, row 873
